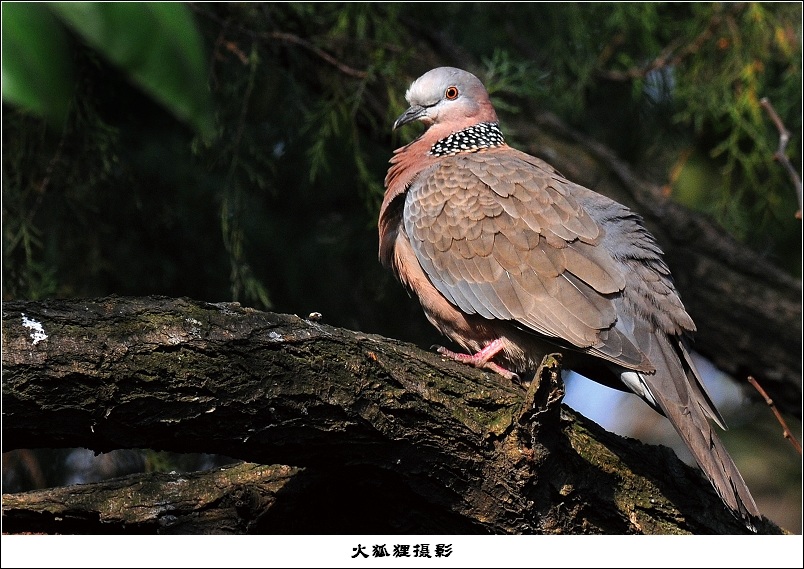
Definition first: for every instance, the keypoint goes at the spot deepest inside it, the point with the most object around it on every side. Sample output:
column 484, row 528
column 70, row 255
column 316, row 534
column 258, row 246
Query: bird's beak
column 415, row 112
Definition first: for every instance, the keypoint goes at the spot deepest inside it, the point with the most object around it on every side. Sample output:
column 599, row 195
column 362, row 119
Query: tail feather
column 699, row 389
column 677, row 391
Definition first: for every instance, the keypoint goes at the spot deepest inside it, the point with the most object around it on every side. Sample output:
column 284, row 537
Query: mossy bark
column 380, row 435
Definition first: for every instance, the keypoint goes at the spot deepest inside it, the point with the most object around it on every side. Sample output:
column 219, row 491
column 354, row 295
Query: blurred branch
column 294, row 39
column 786, row 431
column 670, row 56
column 26, row 461
column 229, row 500
column 289, row 38
column 780, row 155
column 166, row 373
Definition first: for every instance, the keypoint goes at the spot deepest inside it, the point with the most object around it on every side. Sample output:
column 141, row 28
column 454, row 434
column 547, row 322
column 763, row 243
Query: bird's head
column 447, row 96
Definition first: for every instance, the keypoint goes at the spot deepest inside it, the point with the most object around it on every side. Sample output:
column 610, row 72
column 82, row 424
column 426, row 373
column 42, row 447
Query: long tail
column 677, row 391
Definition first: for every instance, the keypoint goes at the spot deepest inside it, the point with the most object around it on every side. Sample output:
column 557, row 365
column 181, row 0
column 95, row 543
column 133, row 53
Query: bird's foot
column 481, row 359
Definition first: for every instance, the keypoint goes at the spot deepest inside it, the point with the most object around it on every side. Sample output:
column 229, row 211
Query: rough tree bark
column 382, row 437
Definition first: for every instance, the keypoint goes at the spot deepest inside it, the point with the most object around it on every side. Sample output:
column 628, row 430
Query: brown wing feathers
column 526, row 253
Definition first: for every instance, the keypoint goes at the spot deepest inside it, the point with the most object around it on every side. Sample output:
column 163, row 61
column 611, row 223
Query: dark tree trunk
column 382, row 437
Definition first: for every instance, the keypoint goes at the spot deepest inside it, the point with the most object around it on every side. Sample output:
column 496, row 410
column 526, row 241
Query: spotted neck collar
column 471, row 139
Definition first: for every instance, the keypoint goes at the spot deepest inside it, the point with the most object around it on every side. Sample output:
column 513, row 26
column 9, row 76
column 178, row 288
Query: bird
column 512, row 261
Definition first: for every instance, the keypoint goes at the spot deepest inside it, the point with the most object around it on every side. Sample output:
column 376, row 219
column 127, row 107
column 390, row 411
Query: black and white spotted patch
column 472, row 139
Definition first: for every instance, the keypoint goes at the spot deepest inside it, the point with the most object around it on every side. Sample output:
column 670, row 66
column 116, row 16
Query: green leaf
column 37, row 64
column 157, row 44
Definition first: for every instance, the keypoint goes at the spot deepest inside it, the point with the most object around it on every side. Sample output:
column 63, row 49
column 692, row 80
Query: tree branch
column 466, row 453
column 786, row 432
column 671, row 56
column 780, row 155
column 230, row 500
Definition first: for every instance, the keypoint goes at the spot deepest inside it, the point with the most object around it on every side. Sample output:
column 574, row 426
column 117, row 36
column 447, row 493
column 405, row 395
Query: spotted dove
column 512, row 261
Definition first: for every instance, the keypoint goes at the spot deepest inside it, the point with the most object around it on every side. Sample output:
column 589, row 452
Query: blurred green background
column 236, row 151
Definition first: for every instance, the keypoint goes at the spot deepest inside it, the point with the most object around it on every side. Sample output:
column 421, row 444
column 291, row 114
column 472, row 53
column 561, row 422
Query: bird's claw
column 478, row 360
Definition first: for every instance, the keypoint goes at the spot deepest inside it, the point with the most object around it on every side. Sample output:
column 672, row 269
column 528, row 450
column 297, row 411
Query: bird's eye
column 451, row 93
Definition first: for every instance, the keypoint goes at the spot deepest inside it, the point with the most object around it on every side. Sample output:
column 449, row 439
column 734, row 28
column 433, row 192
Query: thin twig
column 292, row 38
column 666, row 57
column 779, row 155
column 787, row 434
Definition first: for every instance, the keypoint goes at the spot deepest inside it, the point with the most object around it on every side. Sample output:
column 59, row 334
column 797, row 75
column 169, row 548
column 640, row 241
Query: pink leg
column 481, row 359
